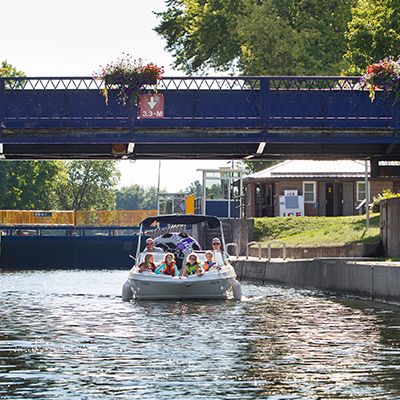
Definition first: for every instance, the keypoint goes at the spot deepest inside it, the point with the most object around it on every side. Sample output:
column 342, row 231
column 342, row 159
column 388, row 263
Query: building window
column 310, row 192
column 361, row 191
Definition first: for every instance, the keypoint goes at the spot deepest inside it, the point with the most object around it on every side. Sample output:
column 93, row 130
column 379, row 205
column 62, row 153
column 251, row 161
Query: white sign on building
column 291, row 204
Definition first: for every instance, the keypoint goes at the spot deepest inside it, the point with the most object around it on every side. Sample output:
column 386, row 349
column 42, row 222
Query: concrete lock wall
column 390, row 227
column 372, row 280
column 46, row 252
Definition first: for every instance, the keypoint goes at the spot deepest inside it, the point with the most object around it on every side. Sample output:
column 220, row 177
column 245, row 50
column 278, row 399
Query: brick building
column 328, row 188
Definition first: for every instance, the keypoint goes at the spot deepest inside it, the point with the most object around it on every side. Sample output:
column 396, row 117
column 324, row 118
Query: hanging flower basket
column 128, row 76
column 384, row 75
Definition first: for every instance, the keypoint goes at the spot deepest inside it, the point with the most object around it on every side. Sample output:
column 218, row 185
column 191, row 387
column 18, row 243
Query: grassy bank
column 317, row 231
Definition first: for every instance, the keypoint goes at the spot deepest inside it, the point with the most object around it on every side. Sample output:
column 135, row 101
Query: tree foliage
column 29, row 184
column 260, row 36
column 6, row 69
column 201, row 34
column 88, row 185
column 195, row 188
column 137, row 197
column 293, row 37
column 46, row 185
column 373, row 33
column 258, row 165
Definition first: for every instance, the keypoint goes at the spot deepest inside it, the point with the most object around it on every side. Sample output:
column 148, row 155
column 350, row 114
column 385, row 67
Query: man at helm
column 150, row 248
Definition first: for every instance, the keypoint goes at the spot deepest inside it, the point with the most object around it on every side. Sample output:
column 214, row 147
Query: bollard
column 236, row 246
column 283, row 249
column 259, row 249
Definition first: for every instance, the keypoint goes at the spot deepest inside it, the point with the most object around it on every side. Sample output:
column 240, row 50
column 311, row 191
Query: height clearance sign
column 151, row 106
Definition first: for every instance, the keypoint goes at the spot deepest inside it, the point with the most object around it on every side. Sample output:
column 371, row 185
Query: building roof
column 312, row 169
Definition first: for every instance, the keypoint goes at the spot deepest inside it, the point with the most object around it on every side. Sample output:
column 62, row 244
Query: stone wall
column 372, row 280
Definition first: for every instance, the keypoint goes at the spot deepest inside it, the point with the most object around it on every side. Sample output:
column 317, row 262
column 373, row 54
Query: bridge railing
column 197, row 102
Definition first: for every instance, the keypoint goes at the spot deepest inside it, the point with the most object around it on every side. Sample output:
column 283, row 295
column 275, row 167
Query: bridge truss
column 204, row 117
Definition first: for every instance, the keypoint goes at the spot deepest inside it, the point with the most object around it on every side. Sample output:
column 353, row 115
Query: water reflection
column 68, row 333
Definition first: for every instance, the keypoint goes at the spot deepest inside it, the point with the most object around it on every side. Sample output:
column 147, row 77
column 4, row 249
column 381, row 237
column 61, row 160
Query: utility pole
column 158, row 186
column 367, row 195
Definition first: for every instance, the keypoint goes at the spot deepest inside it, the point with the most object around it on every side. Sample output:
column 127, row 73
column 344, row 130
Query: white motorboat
column 218, row 283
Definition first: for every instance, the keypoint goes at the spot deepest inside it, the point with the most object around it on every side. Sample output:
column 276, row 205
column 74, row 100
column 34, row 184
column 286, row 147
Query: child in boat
column 192, row 266
column 209, row 262
column 148, row 264
column 168, row 266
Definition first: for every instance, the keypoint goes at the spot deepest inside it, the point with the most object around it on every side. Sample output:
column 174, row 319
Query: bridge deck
column 226, row 117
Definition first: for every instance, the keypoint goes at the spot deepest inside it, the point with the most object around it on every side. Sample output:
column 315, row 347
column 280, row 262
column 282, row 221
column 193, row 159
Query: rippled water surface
column 67, row 335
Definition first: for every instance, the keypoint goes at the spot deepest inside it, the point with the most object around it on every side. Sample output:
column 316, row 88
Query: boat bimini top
column 186, row 219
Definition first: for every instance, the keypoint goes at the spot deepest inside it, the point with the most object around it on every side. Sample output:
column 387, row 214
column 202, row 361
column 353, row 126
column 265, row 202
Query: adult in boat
column 209, row 262
column 216, row 244
column 150, row 247
column 192, row 266
column 168, row 266
column 148, row 264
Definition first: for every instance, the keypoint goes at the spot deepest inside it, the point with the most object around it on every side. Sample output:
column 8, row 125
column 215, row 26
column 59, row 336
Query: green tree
column 7, row 69
column 293, row 37
column 373, row 33
column 88, row 185
column 196, row 188
column 137, row 197
column 201, row 34
column 274, row 37
column 258, row 165
column 27, row 185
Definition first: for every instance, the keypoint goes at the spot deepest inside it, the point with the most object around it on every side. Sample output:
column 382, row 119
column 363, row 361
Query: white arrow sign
column 152, row 102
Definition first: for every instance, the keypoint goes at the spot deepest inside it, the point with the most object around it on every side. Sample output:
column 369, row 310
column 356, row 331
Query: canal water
column 68, row 335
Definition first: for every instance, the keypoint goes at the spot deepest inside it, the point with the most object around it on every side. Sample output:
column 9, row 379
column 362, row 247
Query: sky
column 73, row 38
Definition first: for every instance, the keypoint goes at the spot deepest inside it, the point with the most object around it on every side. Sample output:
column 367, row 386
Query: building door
column 339, row 198
column 329, row 195
column 264, row 200
column 334, row 199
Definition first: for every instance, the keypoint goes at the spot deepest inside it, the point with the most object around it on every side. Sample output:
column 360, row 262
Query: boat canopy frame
column 179, row 219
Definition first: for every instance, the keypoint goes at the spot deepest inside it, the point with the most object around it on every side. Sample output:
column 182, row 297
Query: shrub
column 387, row 194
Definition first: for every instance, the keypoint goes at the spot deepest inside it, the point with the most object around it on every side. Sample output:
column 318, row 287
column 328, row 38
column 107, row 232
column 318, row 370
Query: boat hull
column 212, row 285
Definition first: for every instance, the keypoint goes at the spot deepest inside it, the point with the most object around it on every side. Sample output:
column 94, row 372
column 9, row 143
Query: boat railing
column 162, row 231
column 276, row 242
column 252, row 244
column 235, row 246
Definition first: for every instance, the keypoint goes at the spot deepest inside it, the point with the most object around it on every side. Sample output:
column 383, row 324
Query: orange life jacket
column 208, row 265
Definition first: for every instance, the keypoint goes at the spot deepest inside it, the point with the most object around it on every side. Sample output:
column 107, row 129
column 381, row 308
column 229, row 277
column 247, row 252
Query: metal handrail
column 236, row 246
column 251, row 244
column 278, row 242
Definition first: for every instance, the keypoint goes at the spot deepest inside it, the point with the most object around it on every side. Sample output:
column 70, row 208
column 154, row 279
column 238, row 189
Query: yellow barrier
column 82, row 218
column 112, row 217
column 36, row 217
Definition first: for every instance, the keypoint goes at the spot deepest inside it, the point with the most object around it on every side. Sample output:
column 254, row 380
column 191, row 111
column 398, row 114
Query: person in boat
column 192, row 266
column 148, row 264
column 209, row 262
column 216, row 244
column 168, row 266
column 150, row 247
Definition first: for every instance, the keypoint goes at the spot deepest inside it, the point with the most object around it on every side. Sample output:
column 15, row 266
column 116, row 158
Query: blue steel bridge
column 204, row 117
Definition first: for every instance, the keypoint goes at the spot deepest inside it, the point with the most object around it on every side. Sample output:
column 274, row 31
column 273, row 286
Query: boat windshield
column 159, row 257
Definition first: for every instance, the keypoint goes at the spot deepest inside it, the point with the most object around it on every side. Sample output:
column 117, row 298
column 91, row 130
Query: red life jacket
column 169, row 269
